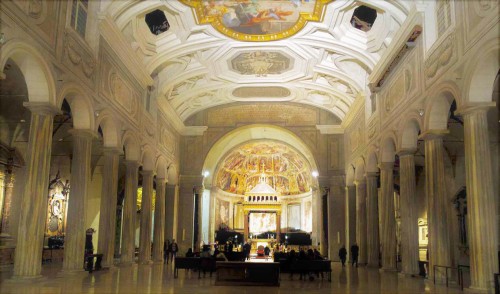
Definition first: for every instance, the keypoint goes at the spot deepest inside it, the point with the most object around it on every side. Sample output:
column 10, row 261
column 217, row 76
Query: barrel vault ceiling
column 196, row 66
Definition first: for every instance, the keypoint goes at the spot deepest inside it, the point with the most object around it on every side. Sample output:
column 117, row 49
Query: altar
column 255, row 243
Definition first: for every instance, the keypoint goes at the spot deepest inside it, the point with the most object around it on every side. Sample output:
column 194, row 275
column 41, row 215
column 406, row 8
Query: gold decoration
column 257, row 21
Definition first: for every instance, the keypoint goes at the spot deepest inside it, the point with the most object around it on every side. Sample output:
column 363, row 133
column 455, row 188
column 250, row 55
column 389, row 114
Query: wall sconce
column 315, row 174
column 421, row 112
column 206, row 173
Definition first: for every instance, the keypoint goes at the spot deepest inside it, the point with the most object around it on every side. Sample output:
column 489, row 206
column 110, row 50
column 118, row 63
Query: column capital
column 132, row 163
column 475, row 108
column 43, row 108
column 360, row 182
column 406, row 152
column 386, row 165
column 111, row 150
column 149, row 173
column 83, row 133
column 433, row 134
column 198, row 190
column 371, row 174
column 161, row 180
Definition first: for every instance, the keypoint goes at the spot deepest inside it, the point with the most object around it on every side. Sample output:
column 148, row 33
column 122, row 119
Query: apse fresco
column 257, row 20
column 285, row 170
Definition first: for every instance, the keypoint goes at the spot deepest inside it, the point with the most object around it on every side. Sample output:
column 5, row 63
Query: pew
column 304, row 267
column 233, row 273
column 185, row 263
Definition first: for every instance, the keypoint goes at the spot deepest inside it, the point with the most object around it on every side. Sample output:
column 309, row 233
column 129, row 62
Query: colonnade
column 27, row 262
column 483, row 230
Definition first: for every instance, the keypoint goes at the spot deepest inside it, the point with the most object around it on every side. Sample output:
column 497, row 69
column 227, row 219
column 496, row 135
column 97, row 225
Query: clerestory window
column 79, row 12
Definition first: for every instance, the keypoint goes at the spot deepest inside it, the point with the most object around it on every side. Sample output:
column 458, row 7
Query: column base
column 159, row 261
column 478, row 290
column 409, row 275
column 372, row 266
column 24, row 279
column 145, row 262
column 126, row 263
column 66, row 272
column 388, row 270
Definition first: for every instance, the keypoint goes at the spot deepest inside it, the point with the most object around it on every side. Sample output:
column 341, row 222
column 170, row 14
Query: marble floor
column 158, row 278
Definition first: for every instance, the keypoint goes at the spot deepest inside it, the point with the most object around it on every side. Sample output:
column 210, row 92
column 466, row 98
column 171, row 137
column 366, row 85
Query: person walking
column 166, row 246
column 354, row 254
column 342, row 255
column 173, row 251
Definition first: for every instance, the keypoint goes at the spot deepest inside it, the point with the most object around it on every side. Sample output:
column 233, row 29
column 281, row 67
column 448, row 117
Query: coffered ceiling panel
column 239, row 51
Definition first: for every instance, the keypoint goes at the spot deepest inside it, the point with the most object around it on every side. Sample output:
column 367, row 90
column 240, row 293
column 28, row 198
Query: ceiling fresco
column 285, row 169
column 261, row 63
column 257, row 20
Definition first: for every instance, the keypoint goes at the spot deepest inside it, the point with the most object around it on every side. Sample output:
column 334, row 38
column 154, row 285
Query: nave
column 159, row 278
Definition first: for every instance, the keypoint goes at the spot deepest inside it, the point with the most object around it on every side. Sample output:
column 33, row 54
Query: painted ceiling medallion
column 257, row 20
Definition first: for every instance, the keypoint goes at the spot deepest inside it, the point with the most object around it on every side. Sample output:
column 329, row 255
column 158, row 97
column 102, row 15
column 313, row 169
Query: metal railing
column 443, row 266
column 460, row 270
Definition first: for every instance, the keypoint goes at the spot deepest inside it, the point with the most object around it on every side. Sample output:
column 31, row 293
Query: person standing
column 246, row 249
column 173, row 251
column 342, row 255
column 166, row 246
column 354, row 254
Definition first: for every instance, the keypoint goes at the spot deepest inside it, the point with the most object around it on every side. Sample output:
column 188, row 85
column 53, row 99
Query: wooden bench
column 307, row 266
column 185, row 263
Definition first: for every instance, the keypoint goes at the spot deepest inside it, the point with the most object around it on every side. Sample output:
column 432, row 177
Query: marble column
column 159, row 227
column 28, row 254
column 409, row 220
column 350, row 221
column 387, row 216
column 372, row 240
column 186, row 210
column 74, row 240
column 437, row 202
column 169, row 211
column 146, row 207
column 7, row 205
column 107, row 217
column 129, row 212
column 482, row 220
column 361, row 220
column 336, row 217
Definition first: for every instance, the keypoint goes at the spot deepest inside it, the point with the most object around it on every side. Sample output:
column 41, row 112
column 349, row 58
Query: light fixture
column 421, row 112
column 23, row 120
column 315, row 174
column 206, row 173
column 97, row 113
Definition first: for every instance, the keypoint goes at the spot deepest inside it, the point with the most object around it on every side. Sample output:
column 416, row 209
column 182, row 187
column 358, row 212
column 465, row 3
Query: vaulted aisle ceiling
column 201, row 62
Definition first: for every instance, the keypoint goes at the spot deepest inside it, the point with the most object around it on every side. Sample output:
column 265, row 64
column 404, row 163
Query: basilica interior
column 287, row 124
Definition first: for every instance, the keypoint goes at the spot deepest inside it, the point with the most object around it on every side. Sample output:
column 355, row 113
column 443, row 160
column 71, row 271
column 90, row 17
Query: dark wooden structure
column 247, row 274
